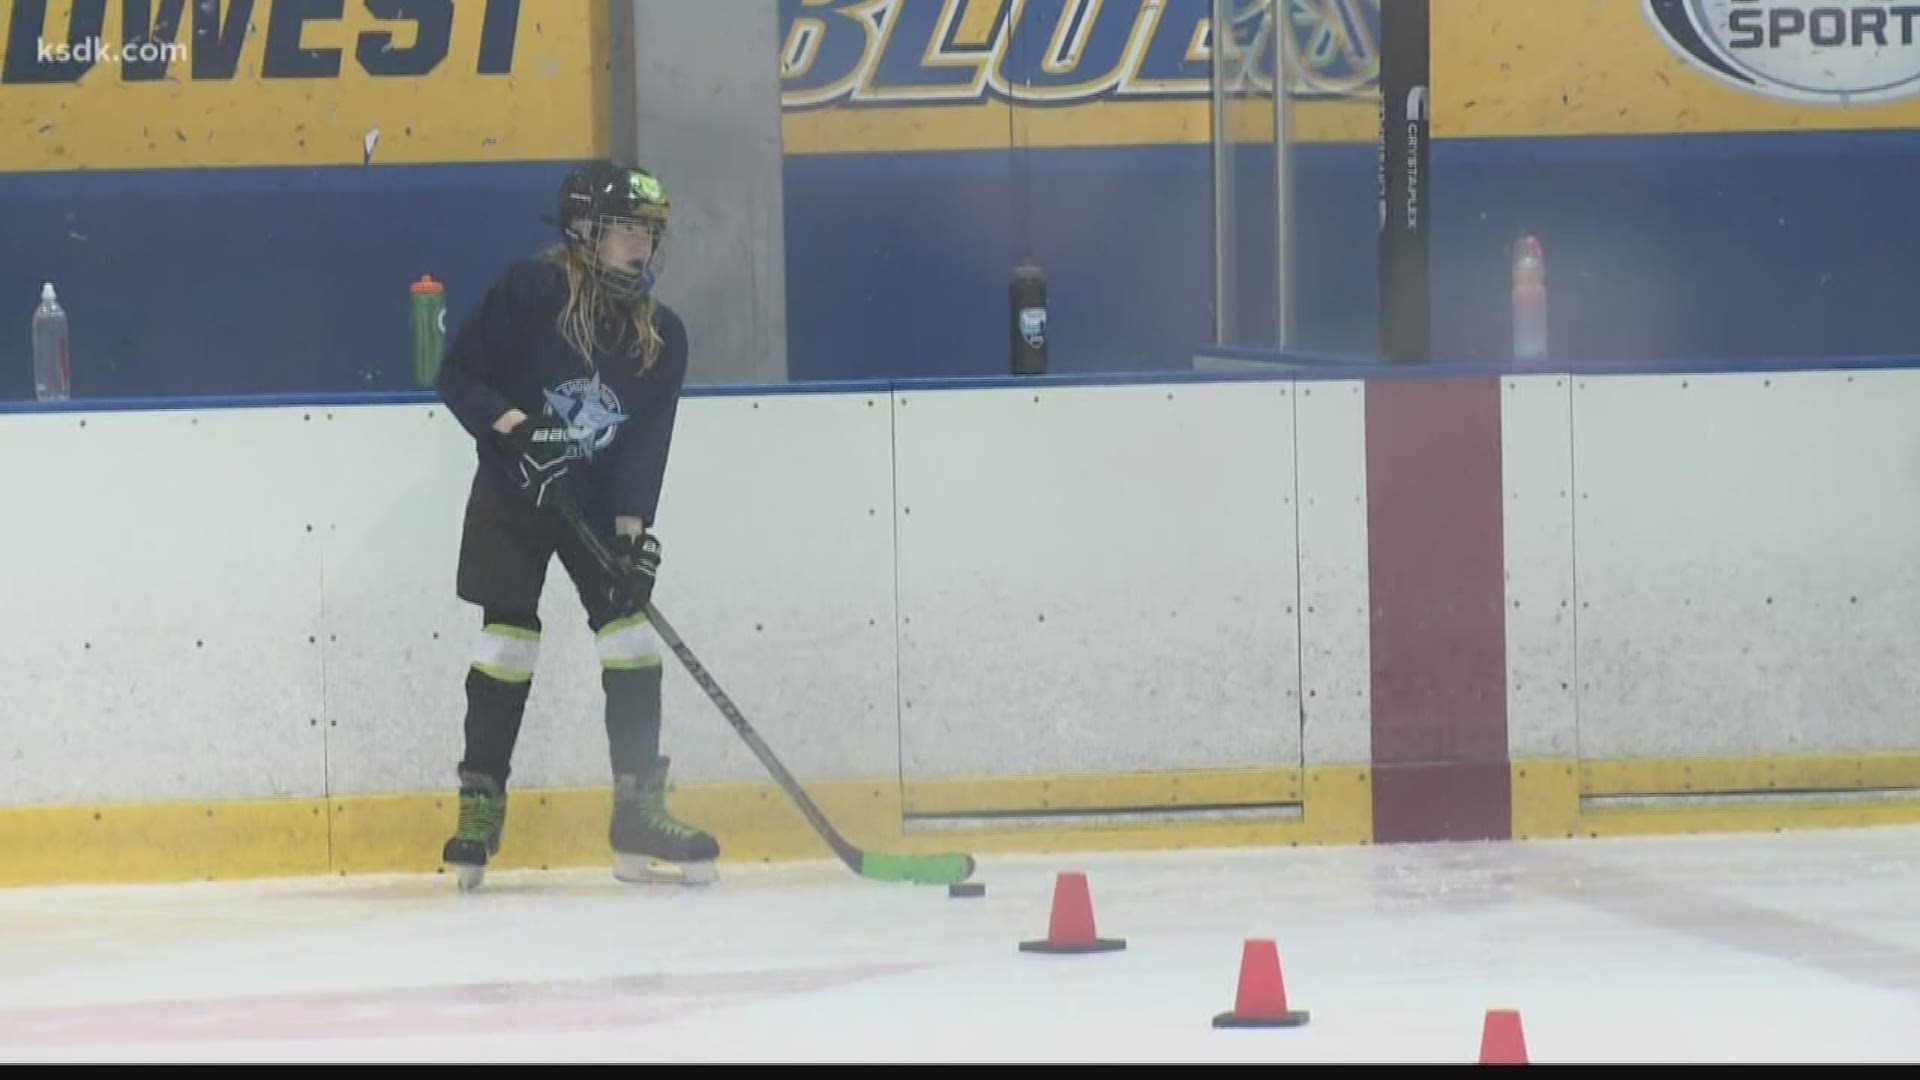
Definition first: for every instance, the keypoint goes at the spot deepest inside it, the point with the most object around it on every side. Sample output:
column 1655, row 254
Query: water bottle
column 429, row 328
column 1529, row 301
column 51, row 375
column 1027, row 297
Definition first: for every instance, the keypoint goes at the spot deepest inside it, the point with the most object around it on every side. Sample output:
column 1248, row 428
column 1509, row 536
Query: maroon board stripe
column 1436, row 573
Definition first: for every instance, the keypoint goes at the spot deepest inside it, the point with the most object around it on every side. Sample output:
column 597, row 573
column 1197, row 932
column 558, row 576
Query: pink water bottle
column 1529, row 301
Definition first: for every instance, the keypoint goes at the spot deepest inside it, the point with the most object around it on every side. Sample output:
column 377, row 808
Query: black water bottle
column 1027, row 304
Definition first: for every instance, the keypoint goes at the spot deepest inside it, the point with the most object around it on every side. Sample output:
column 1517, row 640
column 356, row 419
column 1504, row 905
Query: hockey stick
column 945, row 869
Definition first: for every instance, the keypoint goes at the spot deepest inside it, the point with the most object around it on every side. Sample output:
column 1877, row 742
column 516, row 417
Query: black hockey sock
column 494, row 711
column 633, row 717
column 497, row 687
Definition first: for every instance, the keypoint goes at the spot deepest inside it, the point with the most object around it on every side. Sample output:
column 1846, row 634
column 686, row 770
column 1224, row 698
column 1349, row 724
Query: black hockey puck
column 967, row 888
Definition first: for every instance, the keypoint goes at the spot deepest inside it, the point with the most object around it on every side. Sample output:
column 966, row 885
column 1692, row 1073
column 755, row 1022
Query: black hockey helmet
column 600, row 197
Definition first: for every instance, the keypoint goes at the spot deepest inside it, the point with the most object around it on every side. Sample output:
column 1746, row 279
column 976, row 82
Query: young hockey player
column 568, row 375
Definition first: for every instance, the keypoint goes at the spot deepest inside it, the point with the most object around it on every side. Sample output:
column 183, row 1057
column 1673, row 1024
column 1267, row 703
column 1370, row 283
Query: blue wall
column 1716, row 247
column 260, row 280
column 898, row 264
column 1682, row 246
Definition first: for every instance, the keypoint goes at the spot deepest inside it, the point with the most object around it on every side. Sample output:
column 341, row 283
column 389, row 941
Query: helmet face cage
column 603, row 207
column 593, row 237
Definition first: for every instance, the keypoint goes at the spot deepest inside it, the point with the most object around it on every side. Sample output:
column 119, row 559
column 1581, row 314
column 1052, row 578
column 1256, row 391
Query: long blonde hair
column 587, row 305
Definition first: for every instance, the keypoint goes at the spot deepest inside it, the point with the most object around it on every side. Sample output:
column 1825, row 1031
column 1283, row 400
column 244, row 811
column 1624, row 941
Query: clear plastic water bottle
column 52, row 378
column 1529, row 301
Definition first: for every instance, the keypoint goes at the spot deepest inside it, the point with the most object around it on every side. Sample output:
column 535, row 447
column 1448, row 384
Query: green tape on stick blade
column 917, row 869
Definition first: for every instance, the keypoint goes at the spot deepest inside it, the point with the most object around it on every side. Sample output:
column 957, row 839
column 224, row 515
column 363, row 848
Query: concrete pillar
column 695, row 92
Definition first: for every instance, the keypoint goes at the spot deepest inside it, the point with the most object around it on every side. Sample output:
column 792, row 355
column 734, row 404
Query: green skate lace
column 481, row 816
column 654, row 804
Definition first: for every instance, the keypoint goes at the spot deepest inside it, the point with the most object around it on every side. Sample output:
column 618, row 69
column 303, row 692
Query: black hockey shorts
column 505, row 547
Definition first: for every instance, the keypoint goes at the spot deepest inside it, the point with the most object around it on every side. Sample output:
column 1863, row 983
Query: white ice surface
column 1787, row 947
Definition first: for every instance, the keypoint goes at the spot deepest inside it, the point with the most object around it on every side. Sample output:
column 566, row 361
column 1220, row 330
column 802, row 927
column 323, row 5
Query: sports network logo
column 1817, row 52
column 99, row 50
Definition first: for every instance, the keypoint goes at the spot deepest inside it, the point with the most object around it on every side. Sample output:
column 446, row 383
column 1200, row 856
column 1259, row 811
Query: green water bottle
column 429, row 329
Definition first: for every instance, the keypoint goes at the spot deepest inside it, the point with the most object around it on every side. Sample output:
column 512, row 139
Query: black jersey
column 509, row 353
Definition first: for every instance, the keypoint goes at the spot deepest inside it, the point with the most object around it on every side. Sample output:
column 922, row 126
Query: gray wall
column 695, row 92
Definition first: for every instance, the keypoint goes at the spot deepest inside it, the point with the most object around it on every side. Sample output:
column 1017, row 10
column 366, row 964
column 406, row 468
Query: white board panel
column 1536, row 454
column 776, row 542
column 1335, row 628
column 393, row 486
column 1096, row 579
column 1746, row 563
column 162, row 596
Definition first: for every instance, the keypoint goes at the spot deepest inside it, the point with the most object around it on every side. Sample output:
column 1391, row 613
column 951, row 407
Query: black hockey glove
column 638, row 566
column 540, row 449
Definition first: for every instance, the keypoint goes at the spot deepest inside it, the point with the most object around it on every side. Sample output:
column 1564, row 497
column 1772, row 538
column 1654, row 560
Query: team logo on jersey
column 592, row 412
column 1819, row 52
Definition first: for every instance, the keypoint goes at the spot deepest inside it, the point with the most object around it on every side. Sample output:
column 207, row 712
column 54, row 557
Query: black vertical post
column 623, row 106
column 1404, row 180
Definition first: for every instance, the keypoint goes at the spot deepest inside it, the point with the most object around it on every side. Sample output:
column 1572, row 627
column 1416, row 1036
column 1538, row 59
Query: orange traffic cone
column 1262, row 999
column 1070, row 930
column 1501, row 1040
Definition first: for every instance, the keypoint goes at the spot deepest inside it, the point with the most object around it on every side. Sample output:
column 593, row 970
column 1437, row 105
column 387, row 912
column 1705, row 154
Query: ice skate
column 649, row 844
column 483, row 814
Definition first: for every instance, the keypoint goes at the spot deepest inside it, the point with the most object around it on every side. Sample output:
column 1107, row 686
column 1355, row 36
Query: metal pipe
column 1282, row 175
column 1221, row 32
